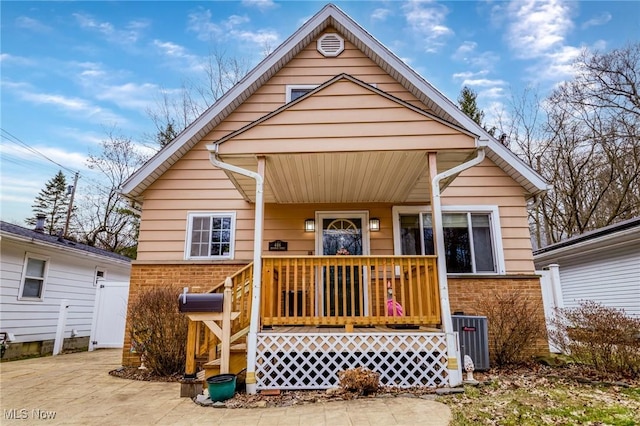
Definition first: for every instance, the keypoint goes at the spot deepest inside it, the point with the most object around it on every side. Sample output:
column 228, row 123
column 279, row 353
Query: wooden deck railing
column 356, row 290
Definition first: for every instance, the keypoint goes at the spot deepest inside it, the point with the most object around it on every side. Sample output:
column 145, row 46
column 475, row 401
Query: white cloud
column 259, row 4
column 201, row 23
column 601, row 19
column 557, row 65
column 78, row 107
column 426, row 20
column 537, row 27
column 32, row 24
column 380, row 14
column 261, row 37
column 492, row 93
column 469, row 74
column 130, row 34
column 467, row 54
column 129, row 95
column 6, row 59
column 483, row 82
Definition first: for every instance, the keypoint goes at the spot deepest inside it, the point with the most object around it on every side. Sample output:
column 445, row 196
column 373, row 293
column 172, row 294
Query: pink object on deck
column 394, row 309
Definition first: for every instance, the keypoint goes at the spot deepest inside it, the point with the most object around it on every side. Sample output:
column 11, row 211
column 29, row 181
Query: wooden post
column 190, row 365
column 226, row 326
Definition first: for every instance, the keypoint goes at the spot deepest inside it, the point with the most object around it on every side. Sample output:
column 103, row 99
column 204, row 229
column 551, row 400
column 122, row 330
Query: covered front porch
column 320, row 315
column 368, row 149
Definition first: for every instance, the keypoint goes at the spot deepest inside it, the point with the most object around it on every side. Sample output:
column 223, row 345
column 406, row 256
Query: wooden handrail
column 201, row 341
column 350, row 290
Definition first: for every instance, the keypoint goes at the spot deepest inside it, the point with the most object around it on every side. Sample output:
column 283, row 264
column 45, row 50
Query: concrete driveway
column 77, row 389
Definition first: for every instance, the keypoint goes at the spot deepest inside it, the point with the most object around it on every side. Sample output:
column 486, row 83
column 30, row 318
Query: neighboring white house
column 49, row 288
column 601, row 265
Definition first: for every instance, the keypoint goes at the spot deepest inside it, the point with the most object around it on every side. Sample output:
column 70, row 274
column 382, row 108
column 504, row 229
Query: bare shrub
column 515, row 324
column 159, row 330
column 360, row 380
column 603, row 337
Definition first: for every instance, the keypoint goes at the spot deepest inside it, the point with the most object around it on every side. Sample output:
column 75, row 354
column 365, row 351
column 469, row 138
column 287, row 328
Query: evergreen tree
column 166, row 135
column 468, row 104
column 52, row 201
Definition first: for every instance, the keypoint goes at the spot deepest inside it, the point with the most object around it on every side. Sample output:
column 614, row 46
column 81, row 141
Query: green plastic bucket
column 221, row 387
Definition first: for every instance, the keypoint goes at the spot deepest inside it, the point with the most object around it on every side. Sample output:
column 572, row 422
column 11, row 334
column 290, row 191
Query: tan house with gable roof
column 353, row 206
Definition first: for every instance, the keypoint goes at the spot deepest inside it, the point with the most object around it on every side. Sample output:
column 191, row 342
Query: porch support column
column 254, row 325
column 252, row 337
column 454, row 365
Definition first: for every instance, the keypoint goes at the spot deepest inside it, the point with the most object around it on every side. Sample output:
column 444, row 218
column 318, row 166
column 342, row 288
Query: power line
column 17, row 141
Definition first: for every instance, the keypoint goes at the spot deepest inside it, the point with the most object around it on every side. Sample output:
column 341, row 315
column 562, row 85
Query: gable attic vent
column 330, row 44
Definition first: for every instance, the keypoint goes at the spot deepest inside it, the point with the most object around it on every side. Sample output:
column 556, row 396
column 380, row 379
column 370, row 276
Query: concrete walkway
column 77, row 390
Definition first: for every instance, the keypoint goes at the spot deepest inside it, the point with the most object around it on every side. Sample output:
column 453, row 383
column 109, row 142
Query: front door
column 343, row 234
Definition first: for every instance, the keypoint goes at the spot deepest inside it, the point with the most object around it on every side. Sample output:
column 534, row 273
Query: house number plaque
column 278, row 245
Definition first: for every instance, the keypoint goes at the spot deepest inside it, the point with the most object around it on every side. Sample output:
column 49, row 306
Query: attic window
column 330, row 45
column 294, row 91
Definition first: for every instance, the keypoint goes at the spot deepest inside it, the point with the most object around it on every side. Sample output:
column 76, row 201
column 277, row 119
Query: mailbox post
column 208, row 308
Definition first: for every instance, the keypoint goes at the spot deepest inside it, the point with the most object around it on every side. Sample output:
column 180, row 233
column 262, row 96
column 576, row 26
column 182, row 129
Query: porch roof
column 326, row 147
column 344, row 177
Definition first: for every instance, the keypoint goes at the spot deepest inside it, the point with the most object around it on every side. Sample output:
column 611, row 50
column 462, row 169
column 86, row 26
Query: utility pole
column 70, row 208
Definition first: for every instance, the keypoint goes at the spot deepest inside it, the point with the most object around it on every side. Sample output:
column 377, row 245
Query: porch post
column 254, row 325
column 252, row 337
column 454, row 366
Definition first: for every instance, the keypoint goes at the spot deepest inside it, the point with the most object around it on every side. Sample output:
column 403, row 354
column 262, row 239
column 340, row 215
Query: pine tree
column 52, row 201
column 166, row 135
column 468, row 104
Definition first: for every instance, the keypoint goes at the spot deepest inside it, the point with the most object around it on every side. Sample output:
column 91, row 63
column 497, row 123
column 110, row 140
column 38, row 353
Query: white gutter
column 454, row 367
column 252, row 338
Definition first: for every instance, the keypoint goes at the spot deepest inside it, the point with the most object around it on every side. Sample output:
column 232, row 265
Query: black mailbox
column 200, row 302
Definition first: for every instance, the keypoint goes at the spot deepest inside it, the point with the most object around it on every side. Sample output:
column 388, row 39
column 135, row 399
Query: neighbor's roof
column 627, row 228
column 329, row 16
column 15, row 232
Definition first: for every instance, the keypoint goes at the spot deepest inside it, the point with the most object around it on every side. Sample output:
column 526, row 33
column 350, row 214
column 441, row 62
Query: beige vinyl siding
column 346, row 116
column 190, row 184
column 193, row 184
column 487, row 184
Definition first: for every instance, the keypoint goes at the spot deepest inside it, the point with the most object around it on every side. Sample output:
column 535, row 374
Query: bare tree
column 175, row 110
column 106, row 219
column 584, row 138
column 593, row 152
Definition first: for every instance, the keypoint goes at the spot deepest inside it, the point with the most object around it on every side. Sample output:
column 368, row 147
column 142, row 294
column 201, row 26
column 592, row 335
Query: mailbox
column 200, row 302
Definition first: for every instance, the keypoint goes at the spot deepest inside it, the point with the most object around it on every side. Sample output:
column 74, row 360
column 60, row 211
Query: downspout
column 252, row 338
column 454, row 366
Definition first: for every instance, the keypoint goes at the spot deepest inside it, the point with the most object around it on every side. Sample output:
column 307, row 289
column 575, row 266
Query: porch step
column 237, row 361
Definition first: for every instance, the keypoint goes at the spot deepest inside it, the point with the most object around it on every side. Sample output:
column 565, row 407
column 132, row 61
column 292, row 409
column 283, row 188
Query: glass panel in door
column 342, row 282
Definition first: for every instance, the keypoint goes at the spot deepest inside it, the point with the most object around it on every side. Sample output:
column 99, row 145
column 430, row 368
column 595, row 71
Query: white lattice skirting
column 313, row 360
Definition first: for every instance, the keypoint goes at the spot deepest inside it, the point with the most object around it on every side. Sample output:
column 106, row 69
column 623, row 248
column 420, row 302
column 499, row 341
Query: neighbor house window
column 211, row 235
column 34, row 276
column 101, row 275
column 296, row 91
column 471, row 237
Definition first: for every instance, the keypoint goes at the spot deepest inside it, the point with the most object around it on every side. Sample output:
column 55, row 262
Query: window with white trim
column 295, row 91
column 471, row 237
column 211, row 235
column 34, row 276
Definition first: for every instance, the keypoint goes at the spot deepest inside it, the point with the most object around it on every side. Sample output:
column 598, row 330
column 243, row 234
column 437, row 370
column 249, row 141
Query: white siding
column 70, row 276
column 610, row 277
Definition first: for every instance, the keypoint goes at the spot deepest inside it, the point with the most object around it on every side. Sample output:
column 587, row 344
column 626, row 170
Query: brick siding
column 198, row 277
column 471, row 295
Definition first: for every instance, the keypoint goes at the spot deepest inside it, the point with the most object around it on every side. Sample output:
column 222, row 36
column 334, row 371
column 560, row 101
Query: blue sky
column 72, row 70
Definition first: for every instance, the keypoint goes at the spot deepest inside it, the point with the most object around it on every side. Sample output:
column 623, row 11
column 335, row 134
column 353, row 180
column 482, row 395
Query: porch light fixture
column 374, row 224
column 309, row 225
